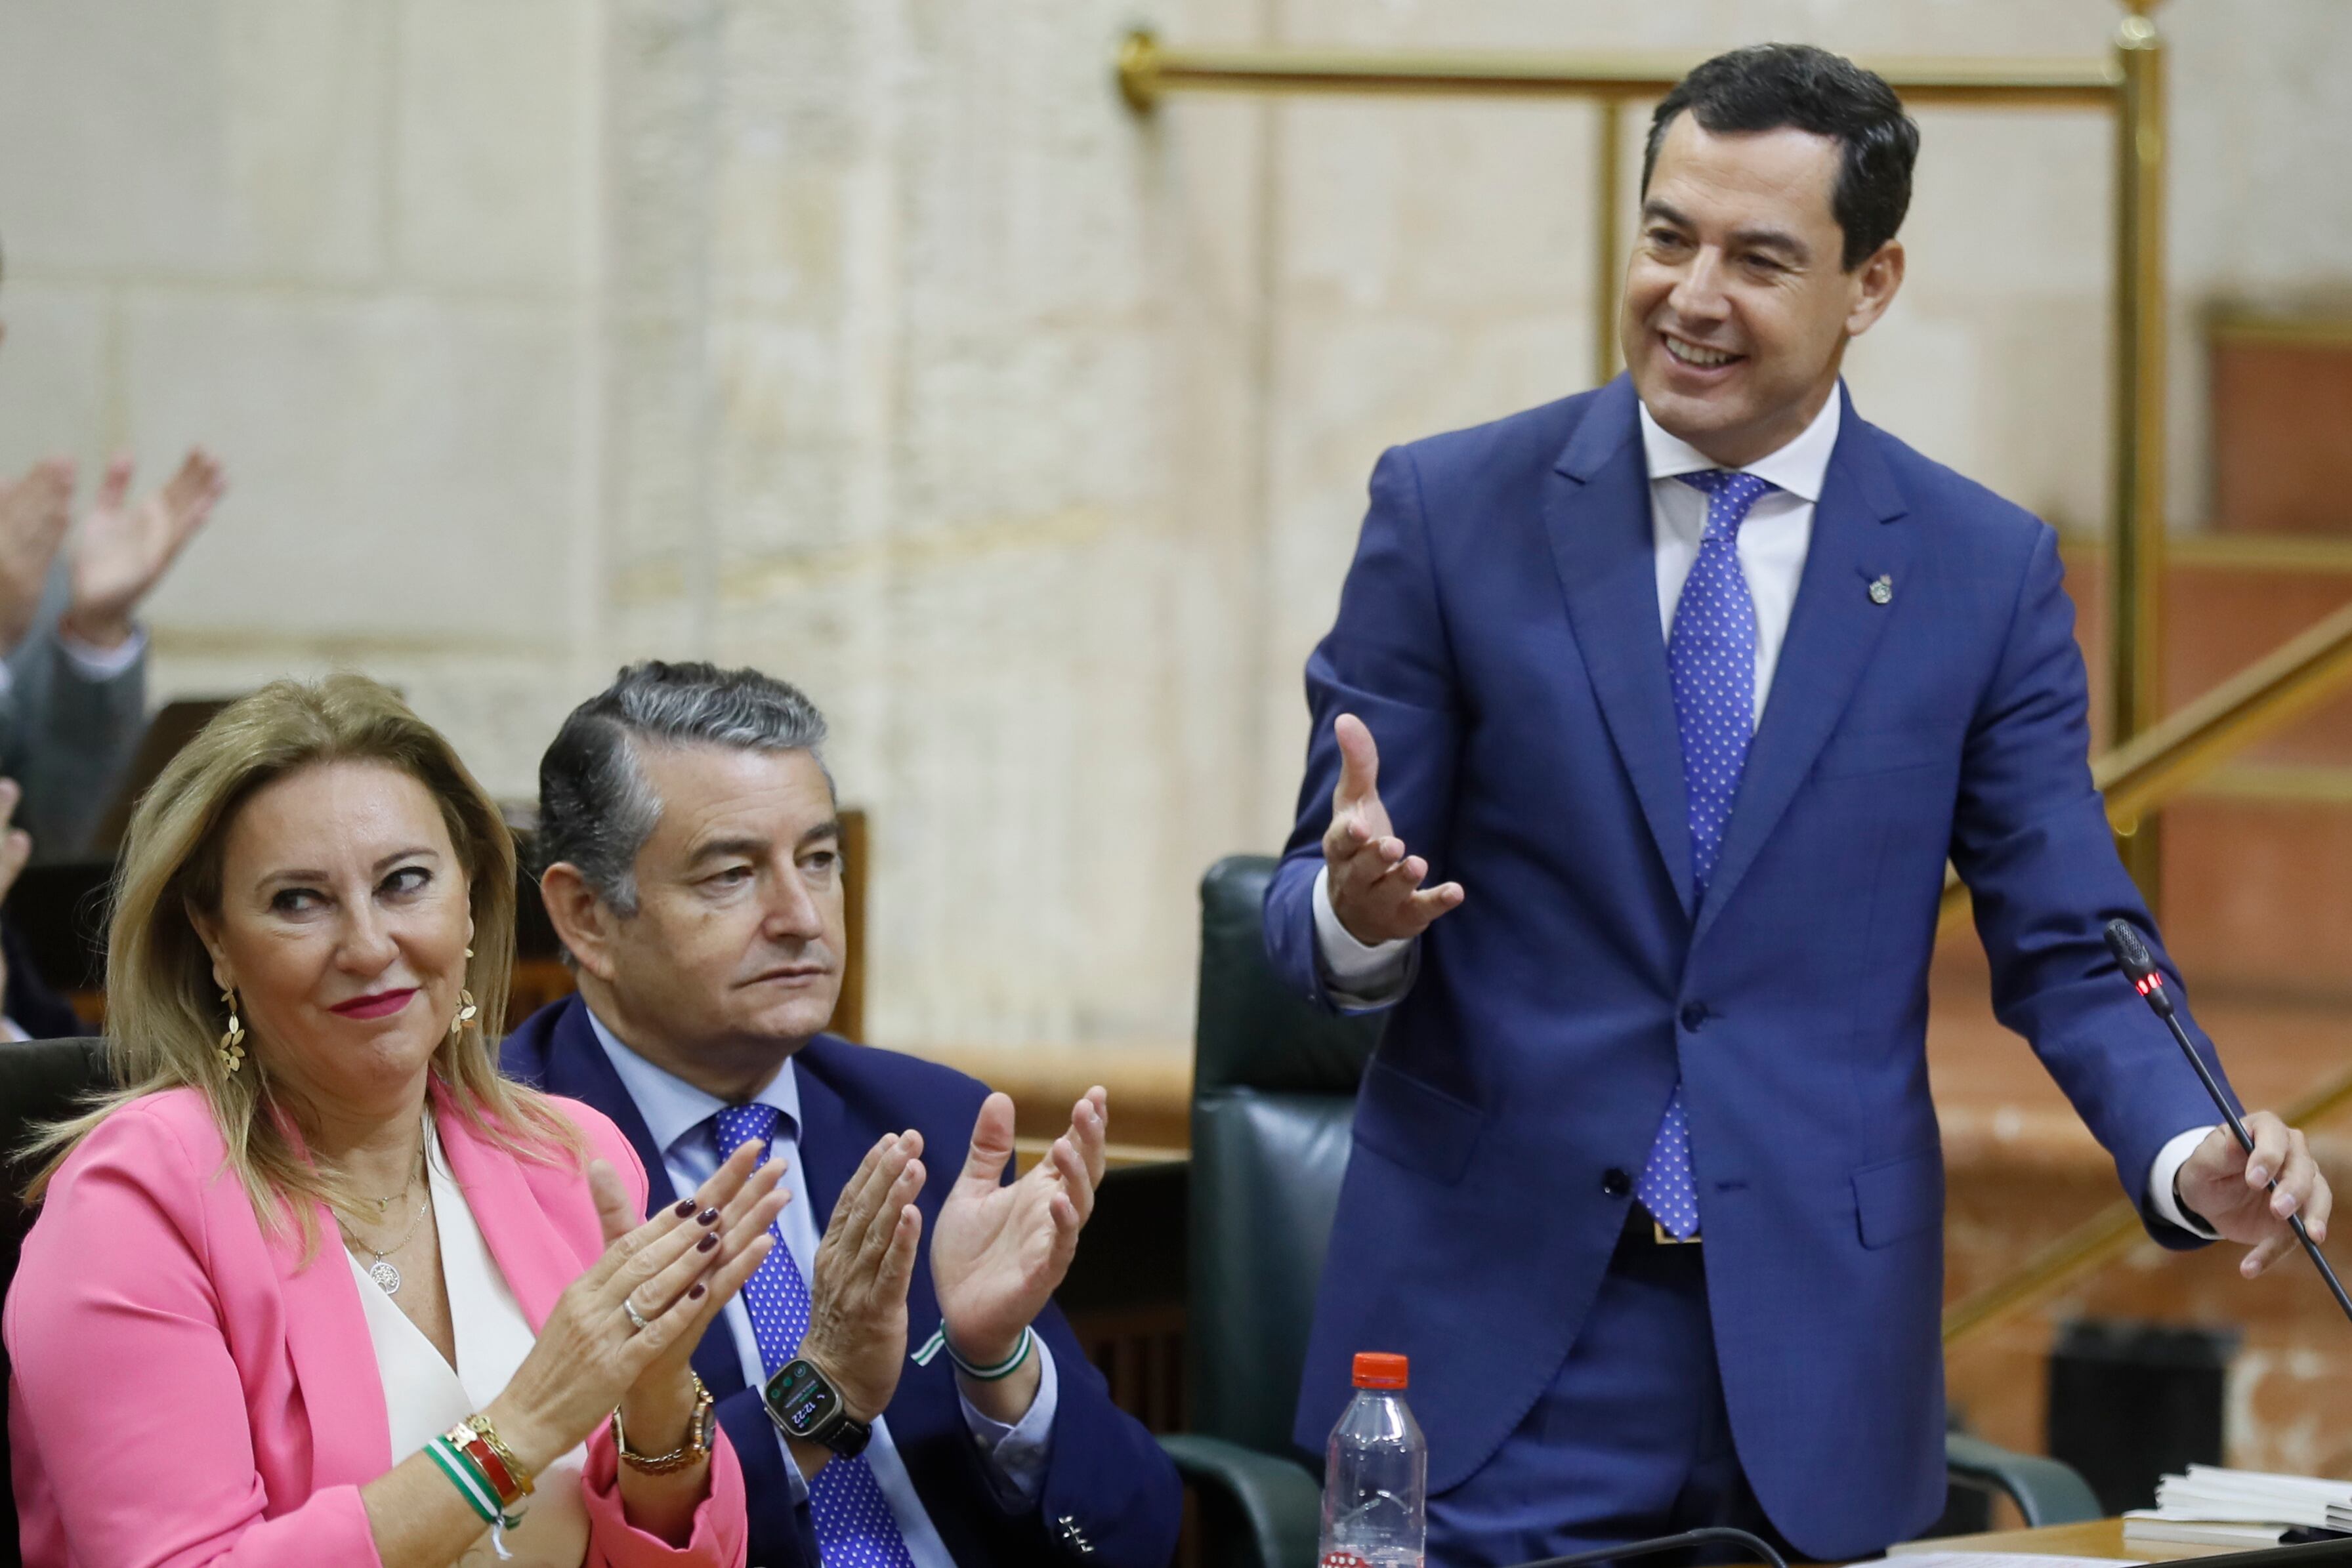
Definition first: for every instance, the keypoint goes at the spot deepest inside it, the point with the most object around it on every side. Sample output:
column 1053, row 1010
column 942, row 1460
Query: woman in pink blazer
column 319, row 1287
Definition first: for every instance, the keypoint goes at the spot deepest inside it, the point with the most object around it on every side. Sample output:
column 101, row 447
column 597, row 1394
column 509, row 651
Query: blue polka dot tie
column 853, row 1525
column 1711, row 658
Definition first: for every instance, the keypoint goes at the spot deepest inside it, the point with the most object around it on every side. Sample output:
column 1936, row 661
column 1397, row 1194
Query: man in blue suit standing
column 1647, row 725
column 692, row 858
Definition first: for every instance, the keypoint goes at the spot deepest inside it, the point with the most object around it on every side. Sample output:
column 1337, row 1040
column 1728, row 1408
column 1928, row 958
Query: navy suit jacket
column 1107, row 1483
column 1499, row 634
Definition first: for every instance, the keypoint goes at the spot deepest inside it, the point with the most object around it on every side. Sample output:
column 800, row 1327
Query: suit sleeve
column 2030, row 840
column 125, row 1384
column 71, row 735
column 1388, row 660
column 1106, row 1484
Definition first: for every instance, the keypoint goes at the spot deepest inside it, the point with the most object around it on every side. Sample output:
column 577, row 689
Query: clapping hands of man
column 121, row 554
column 997, row 1254
column 1000, row 1251
column 123, row 550
column 1375, row 882
column 35, row 511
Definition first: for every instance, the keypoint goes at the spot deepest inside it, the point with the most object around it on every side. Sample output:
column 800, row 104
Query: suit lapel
column 578, row 1068
column 1834, row 628
column 535, row 1258
column 830, row 1146
column 334, row 1359
column 1596, row 513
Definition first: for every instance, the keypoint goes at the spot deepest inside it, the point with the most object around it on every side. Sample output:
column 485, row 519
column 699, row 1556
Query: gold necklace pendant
column 381, row 1269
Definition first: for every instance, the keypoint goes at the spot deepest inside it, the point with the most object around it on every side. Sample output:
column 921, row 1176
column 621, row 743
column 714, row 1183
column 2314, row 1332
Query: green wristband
column 474, row 1489
column 997, row 1374
column 473, row 1485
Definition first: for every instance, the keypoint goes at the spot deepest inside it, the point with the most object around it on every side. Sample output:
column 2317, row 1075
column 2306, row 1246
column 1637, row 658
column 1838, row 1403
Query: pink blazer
column 184, row 1394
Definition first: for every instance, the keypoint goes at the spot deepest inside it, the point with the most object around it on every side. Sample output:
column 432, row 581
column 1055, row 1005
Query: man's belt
column 1642, row 1230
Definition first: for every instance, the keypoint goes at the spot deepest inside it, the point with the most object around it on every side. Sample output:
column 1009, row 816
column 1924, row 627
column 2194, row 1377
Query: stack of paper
column 2238, row 1508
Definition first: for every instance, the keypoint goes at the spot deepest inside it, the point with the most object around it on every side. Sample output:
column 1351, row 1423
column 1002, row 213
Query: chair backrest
column 1274, row 1097
column 40, row 1081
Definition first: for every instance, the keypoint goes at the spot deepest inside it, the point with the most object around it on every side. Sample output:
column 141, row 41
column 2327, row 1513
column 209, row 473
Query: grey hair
column 596, row 805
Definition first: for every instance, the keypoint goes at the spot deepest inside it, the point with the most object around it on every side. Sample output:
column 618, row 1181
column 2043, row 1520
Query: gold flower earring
column 232, row 1040
column 466, row 1008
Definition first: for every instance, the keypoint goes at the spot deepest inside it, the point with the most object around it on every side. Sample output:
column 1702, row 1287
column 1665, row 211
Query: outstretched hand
column 1376, row 888
column 998, row 1252
column 123, row 550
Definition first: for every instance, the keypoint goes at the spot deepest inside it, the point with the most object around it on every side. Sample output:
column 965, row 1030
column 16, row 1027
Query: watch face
column 802, row 1400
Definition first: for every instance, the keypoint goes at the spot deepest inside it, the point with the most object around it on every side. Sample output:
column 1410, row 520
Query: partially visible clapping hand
column 34, row 513
column 123, row 550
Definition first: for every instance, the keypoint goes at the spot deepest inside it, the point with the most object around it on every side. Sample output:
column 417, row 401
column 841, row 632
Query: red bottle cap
column 1375, row 1369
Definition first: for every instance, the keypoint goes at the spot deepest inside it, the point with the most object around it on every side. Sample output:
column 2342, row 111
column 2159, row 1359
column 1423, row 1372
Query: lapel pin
column 1882, row 589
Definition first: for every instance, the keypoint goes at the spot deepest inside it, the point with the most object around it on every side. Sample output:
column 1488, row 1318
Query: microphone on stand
column 2140, row 970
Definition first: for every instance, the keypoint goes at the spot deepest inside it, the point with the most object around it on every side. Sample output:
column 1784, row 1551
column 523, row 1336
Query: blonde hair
column 163, row 1012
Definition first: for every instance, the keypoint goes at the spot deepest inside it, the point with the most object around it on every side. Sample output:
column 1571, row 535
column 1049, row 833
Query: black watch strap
column 847, row 1437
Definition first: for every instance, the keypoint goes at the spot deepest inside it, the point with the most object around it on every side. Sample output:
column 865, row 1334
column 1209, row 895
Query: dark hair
column 597, row 808
column 1769, row 86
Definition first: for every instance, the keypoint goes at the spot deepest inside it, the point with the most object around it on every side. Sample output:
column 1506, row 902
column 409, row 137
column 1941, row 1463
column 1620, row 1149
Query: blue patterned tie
column 1711, row 656
column 853, row 1525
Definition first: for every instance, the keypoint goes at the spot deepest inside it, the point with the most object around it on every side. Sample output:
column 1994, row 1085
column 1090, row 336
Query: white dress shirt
column 679, row 1115
column 423, row 1395
column 1773, row 545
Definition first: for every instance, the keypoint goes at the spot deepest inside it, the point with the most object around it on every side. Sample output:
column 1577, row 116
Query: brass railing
column 2129, row 86
column 2265, row 696
column 2175, row 755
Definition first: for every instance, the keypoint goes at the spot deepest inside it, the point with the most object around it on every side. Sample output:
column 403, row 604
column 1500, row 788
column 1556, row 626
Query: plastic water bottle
column 1376, row 1475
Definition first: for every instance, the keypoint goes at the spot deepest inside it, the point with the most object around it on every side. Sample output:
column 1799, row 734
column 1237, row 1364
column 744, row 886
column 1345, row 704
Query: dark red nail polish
column 707, row 1242
column 695, row 1294
column 708, row 1216
column 685, row 1207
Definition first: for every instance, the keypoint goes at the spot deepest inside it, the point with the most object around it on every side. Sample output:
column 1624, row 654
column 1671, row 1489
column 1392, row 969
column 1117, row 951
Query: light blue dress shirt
column 679, row 1115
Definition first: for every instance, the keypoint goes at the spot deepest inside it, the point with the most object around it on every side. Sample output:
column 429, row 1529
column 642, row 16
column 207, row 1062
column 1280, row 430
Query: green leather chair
column 1273, row 1102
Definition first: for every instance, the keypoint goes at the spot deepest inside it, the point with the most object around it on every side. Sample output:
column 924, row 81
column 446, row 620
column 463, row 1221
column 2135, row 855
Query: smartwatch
column 803, row 1404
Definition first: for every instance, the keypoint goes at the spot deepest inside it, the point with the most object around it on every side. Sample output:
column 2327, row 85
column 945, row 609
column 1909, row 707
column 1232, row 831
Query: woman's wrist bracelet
column 472, row 1484
column 479, row 1425
column 997, row 1374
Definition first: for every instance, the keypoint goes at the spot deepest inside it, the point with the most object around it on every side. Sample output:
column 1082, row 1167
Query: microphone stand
column 2140, row 968
column 1663, row 1544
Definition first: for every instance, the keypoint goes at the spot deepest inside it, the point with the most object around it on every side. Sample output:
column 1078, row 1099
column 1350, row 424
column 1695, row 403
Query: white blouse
column 424, row 1398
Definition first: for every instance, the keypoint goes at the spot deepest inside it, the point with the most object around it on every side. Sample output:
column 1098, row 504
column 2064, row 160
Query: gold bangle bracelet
column 480, row 1426
column 700, row 1436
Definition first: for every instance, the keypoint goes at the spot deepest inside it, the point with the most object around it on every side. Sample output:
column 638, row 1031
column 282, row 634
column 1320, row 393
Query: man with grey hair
column 692, row 868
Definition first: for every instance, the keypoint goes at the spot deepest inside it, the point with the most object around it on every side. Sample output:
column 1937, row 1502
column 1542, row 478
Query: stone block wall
column 879, row 344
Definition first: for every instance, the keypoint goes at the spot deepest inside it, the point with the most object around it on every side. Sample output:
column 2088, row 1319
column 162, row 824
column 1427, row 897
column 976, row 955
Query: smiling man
column 1648, row 723
column 692, row 857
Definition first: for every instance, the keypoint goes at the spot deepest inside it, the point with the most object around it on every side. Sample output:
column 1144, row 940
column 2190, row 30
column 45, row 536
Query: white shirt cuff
column 1017, row 1455
column 1348, row 964
column 95, row 664
column 2165, row 1170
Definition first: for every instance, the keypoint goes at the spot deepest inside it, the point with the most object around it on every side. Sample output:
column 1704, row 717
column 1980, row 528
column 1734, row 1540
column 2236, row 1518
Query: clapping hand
column 677, row 1269
column 123, row 550
column 15, row 849
column 857, row 1285
column 1376, row 888
column 998, row 1252
column 34, row 514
